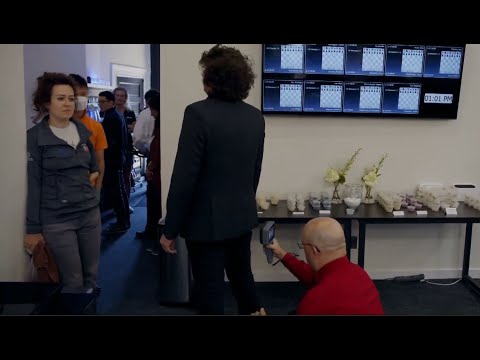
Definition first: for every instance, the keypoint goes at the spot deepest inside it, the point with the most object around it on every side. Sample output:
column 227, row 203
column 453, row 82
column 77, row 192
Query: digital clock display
column 431, row 98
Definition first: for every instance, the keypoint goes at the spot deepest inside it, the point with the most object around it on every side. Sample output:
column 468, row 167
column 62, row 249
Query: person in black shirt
column 115, row 159
column 121, row 98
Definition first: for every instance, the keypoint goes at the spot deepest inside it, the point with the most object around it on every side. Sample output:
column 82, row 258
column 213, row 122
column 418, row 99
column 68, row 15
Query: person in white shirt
column 143, row 131
column 142, row 138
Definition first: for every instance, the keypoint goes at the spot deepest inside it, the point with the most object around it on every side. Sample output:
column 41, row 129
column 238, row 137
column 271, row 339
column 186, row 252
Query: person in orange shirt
column 98, row 138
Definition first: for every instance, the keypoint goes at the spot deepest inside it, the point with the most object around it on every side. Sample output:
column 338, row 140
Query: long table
column 281, row 215
column 375, row 214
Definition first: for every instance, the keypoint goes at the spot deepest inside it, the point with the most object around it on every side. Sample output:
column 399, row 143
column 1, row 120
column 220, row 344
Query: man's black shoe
column 116, row 229
column 144, row 235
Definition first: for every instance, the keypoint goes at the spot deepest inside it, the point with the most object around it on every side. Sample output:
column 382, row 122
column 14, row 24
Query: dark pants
column 116, row 195
column 127, row 179
column 208, row 262
column 154, row 209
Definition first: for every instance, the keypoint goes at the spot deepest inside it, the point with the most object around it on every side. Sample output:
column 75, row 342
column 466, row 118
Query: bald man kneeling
column 337, row 286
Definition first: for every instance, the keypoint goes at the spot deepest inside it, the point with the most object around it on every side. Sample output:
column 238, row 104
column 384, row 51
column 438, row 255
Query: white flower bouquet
column 370, row 179
column 338, row 177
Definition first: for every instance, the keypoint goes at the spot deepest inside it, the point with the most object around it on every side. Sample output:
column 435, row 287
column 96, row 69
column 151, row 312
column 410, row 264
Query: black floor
column 129, row 277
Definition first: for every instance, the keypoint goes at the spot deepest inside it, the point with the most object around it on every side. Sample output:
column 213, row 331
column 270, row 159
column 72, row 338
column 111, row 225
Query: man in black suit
column 211, row 201
column 113, row 182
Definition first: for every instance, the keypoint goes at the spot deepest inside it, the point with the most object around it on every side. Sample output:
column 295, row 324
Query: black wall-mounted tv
column 383, row 80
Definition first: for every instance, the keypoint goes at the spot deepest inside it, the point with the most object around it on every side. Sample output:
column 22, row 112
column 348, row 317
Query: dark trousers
column 127, row 179
column 116, row 195
column 154, row 208
column 209, row 260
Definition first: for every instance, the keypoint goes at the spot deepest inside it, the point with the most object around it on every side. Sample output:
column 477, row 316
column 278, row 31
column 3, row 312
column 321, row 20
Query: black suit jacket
column 216, row 172
column 116, row 133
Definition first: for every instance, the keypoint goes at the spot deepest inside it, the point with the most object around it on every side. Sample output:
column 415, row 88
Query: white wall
column 13, row 259
column 101, row 56
column 38, row 58
column 85, row 59
column 298, row 150
column 21, row 64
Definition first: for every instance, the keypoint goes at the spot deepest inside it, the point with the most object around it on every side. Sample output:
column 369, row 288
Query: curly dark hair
column 228, row 72
column 78, row 80
column 45, row 83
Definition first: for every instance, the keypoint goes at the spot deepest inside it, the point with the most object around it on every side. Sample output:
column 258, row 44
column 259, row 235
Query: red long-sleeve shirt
column 338, row 288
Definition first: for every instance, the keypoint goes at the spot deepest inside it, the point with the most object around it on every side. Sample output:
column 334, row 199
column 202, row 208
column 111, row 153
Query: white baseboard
column 276, row 275
column 429, row 273
column 263, row 272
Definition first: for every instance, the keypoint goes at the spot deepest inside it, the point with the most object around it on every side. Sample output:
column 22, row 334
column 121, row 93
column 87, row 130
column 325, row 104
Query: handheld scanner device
column 267, row 234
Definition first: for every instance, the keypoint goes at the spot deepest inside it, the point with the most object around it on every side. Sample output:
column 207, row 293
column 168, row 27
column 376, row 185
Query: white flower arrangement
column 338, row 177
column 332, row 175
column 370, row 179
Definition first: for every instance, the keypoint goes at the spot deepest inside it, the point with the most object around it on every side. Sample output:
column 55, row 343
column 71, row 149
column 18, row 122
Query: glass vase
column 352, row 196
column 368, row 195
column 336, row 196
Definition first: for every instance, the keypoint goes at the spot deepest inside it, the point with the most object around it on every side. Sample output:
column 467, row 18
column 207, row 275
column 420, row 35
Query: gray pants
column 75, row 246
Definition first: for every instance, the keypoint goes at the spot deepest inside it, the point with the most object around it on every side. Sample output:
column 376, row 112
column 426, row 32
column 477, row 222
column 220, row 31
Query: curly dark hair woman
column 211, row 200
column 227, row 73
column 62, row 201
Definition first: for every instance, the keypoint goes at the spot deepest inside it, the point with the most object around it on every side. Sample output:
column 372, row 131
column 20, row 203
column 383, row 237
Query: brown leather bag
column 44, row 263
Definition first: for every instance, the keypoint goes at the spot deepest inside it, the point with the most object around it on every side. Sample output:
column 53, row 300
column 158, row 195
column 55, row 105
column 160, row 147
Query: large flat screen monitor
column 383, row 80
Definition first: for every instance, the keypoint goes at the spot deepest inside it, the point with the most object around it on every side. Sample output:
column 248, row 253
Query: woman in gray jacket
column 62, row 202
